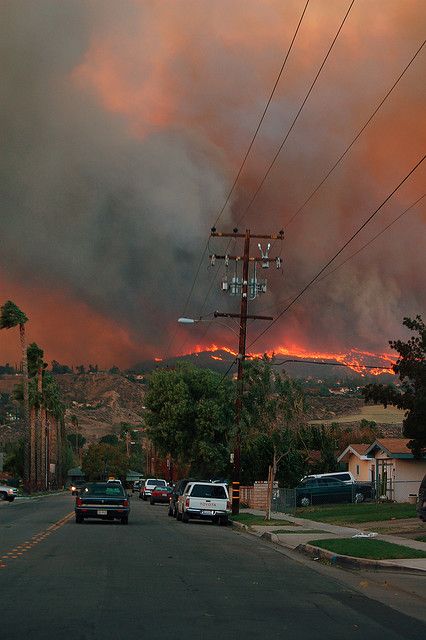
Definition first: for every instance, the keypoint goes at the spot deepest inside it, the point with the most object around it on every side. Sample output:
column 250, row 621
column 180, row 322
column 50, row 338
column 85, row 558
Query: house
column 389, row 464
column 398, row 472
column 358, row 463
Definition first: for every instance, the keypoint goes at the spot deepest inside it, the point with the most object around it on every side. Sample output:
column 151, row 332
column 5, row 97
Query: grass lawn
column 368, row 548
column 251, row 519
column 354, row 513
column 421, row 538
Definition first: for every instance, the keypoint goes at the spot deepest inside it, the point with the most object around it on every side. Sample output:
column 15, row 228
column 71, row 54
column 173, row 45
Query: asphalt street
column 159, row 578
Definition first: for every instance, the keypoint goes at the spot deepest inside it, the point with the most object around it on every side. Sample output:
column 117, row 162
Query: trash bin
column 412, row 498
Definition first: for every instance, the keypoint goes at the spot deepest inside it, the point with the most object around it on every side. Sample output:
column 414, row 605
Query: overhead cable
column 275, row 158
column 342, row 248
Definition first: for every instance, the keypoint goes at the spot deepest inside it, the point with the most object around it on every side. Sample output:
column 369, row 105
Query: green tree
column 114, row 369
column 273, row 405
column 190, row 414
column 12, row 316
column 15, row 458
column 411, row 396
column 110, row 438
column 77, row 441
column 103, row 460
column 45, row 398
column 59, row 369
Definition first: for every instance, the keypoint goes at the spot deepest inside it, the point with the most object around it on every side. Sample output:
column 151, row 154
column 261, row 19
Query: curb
column 346, row 562
column 35, row 496
column 349, row 562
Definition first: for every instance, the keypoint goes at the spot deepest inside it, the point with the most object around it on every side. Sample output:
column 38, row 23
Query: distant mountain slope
column 101, row 401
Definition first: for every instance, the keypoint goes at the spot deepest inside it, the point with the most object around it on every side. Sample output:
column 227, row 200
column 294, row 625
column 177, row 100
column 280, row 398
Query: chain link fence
column 287, row 500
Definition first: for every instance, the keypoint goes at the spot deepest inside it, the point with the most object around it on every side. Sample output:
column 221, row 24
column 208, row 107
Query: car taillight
column 187, row 502
column 125, row 503
column 79, row 502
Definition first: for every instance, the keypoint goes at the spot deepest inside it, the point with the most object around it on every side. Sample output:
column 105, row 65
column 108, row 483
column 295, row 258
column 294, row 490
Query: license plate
column 164, row 495
column 102, row 512
column 207, row 513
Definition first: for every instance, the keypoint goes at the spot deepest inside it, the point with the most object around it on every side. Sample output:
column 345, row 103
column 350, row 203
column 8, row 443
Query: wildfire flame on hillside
column 355, row 359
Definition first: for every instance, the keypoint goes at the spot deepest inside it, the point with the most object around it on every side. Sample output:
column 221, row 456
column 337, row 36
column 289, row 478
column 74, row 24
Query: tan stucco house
column 358, row 463
column 389, row 463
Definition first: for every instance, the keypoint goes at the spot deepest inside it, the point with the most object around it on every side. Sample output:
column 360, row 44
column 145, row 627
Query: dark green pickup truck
column 328, row 490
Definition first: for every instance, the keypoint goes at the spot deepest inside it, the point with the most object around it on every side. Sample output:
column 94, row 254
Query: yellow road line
column 36, row 538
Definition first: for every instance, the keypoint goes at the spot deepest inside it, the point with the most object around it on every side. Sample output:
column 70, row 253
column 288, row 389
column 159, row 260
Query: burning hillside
column 359, row 361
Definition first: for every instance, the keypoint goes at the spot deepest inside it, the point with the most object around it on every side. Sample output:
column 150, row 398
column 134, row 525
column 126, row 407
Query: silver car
column 8, row 493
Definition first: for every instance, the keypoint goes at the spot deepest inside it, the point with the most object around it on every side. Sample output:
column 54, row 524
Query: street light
column 206, row 319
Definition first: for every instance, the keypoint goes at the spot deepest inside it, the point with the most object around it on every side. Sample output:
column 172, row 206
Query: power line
column 263, row 114
column 242, row 166
column 308, row 199
column 272, row 163
column 364, row 224
column 331, row 364
column 372, row 239
column 364, row 246
column 226, row 373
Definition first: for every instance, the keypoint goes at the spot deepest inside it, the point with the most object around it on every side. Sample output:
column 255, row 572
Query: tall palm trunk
column 39, row 436
column 59, row 432
column 29, row 452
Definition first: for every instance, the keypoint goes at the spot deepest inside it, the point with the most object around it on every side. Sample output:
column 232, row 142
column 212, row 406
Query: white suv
column 204, row 501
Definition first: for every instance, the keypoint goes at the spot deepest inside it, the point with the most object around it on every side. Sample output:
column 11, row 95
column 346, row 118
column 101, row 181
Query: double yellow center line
column 19, row 550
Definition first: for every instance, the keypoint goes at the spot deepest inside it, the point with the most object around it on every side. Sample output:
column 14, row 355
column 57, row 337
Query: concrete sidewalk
column 296, row 533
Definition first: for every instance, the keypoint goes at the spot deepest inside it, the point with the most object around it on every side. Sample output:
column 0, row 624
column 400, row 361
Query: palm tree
column 12, row 316
column 55, row 412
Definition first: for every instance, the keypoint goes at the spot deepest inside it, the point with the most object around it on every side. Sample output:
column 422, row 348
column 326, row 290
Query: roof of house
column 357, row 449
column 393, row 447
column 75, row 472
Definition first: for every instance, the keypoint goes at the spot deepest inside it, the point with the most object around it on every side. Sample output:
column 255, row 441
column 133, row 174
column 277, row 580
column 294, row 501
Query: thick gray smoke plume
column 114, row 220
column 111, row 177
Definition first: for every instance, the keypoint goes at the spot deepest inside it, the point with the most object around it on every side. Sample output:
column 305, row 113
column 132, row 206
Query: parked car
column 150, row 483
column 204, row 501
column 8, row 493
column 421, row 502
column 102, row 500
column 326, row 490
column 177, row 491
column 137, row 485
column 160, row 494
column 344, row 476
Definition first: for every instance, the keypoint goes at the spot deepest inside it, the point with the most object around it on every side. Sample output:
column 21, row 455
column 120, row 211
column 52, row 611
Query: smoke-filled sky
column 123, row 125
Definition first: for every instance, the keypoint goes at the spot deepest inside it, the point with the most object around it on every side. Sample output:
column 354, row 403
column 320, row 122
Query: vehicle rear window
column 208, row 491
column 156, row 483
column 104, row 490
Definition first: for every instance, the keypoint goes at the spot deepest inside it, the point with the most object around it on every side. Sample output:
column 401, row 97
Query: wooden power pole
column 248, row 288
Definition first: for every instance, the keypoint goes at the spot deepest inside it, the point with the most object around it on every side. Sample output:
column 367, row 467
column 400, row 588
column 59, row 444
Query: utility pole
column 249, row 288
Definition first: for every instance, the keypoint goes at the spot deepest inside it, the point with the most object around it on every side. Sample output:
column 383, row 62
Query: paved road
column 158, row 578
